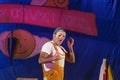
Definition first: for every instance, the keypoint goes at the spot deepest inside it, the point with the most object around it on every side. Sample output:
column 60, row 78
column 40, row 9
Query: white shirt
column 49, row 49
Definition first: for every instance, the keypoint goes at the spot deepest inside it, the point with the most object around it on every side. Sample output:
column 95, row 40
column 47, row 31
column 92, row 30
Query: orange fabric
column 57, row 72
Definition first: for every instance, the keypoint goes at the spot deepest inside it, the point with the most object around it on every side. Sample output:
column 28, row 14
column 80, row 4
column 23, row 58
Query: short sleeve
column 47, row 48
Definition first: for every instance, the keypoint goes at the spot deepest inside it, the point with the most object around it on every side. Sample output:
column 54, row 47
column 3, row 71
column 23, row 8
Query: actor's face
column 59, row 37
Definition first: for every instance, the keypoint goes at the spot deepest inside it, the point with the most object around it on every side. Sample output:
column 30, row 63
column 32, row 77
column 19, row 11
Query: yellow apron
column 57, row 70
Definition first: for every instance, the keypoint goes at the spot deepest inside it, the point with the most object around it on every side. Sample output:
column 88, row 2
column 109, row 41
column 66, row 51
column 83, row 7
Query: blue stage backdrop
column 90, row 50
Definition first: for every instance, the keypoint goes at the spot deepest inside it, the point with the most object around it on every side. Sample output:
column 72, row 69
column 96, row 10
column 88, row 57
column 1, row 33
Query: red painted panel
column 72, row 20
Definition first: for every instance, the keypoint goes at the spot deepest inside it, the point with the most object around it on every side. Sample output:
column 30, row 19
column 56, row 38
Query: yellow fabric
column 57, row 71
column 110, row 76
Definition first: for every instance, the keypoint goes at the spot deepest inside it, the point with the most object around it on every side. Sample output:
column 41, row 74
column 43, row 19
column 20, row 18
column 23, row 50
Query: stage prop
column 72, row 20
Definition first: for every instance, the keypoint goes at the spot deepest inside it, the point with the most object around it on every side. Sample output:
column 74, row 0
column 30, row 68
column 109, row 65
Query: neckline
column 53, row 43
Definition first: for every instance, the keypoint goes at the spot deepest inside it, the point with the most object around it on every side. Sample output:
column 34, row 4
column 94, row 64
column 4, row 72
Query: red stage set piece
column 72, row 20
